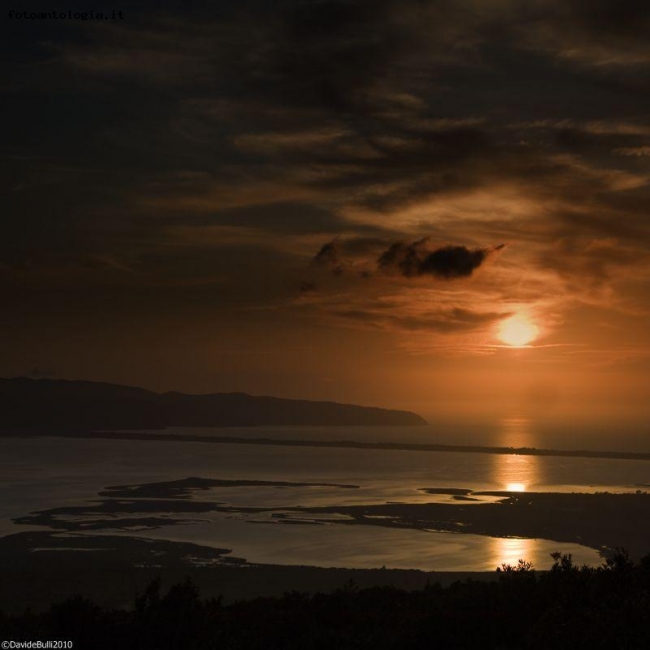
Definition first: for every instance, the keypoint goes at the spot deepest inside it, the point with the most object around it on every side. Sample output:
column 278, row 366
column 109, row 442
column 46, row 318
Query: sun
column 517, row 331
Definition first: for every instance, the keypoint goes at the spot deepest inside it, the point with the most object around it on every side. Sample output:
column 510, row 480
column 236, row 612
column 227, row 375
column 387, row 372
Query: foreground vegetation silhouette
column 566, row 607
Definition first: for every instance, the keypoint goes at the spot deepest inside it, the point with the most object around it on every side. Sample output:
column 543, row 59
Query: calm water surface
column 42, row 473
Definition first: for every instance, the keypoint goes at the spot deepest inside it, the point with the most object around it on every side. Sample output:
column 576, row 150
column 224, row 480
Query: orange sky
column 336, row 200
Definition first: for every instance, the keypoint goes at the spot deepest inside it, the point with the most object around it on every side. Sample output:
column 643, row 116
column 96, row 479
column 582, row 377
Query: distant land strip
column 351, row 444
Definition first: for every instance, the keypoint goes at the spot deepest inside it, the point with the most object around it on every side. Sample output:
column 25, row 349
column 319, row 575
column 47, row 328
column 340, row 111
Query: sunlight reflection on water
column 516, row 473
column 509, row 550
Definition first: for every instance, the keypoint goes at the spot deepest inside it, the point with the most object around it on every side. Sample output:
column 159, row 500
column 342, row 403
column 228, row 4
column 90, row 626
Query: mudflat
column 88, row 548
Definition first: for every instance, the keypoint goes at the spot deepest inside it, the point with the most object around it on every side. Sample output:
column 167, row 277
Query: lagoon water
column 43, row 473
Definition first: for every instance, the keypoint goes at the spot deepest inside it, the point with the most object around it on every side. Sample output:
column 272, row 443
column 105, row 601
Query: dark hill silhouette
column 47, row 404
column 566, row 608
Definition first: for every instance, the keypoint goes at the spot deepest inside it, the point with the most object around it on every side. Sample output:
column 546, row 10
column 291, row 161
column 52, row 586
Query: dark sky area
column 347, row 200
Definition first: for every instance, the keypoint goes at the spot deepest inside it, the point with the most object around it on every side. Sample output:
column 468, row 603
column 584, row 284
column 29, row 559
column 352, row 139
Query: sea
column 41, row 473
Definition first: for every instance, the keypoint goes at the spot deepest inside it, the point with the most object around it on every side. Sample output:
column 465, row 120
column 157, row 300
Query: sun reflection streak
column 509, row 550
column 514, row 473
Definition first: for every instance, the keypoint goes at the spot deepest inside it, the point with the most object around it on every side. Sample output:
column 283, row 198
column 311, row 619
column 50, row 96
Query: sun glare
column 517, row 332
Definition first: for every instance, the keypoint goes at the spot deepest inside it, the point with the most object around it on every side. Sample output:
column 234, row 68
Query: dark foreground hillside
column 566, row 607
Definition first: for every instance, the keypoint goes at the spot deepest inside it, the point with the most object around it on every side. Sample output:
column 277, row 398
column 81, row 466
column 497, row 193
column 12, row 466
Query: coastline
column 331, row 444
column 113, row 568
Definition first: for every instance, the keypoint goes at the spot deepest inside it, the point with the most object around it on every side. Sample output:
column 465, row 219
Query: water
column 514, row 431
column 42, row 473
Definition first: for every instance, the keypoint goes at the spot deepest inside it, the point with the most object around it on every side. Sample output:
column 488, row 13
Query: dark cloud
column 409, row 260
column 331, row 53
column 449, row 262
column 329, row 257
column 603, row 32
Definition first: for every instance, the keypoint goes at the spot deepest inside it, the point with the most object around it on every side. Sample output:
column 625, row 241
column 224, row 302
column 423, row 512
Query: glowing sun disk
column 517, row 331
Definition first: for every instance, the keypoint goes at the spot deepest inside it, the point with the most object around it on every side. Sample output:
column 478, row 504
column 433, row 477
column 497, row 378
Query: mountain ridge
column 39, row 404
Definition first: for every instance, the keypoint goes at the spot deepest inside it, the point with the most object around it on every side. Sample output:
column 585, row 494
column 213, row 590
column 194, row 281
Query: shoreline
column 600, row 521
column 335, row 444
column 112, row 570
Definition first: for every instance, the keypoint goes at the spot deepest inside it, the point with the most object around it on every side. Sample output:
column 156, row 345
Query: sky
column 436, row 205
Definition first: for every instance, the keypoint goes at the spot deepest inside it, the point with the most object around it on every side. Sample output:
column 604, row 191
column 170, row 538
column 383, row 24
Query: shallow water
column 42, row 473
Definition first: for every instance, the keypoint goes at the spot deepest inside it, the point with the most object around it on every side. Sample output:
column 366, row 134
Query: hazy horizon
column 544, row 411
